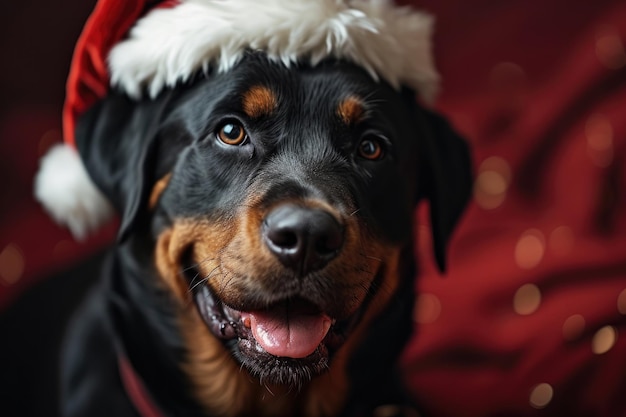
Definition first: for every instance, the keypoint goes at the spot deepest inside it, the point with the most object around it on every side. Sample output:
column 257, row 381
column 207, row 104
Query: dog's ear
column 445, row 178
column 116, row 139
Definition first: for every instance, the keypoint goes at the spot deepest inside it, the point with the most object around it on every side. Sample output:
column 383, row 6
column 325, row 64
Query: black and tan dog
column 265, row 266
column 265, row 159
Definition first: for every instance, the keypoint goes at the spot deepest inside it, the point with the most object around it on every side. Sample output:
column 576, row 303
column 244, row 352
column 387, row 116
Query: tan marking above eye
column 259, row 101
column 351, row 110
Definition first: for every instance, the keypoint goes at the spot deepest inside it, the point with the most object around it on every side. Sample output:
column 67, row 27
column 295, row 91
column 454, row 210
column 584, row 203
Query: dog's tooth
column 227, row 330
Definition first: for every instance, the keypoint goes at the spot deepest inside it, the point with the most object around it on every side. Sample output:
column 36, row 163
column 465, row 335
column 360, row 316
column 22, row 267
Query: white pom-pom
column 65, row 189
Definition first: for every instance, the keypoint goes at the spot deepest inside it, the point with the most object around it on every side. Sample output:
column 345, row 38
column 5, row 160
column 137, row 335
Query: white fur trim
column 64, row 188
column 169, row 45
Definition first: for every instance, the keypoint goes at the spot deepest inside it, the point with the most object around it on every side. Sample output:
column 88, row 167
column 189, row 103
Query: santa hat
column 143, row 47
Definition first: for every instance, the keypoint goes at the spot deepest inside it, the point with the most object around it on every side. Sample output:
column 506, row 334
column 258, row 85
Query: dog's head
column 280, row 202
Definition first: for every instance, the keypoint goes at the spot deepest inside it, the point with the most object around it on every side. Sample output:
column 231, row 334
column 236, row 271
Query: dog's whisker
column 210, row 275
column 205, row 279
column 268, row 389
column 374, row 258
column 198, row 264
column 193, row 280
column 192, row 288
column 191, row 267
column 354, row 212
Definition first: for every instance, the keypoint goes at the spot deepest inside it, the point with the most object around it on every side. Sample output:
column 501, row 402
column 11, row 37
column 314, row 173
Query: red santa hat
column 143, row 47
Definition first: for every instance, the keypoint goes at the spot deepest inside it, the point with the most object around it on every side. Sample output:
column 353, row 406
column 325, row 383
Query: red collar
column 136, row 391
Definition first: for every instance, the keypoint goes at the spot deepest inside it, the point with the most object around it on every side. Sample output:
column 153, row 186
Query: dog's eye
column 371, row 148
column 232, row 134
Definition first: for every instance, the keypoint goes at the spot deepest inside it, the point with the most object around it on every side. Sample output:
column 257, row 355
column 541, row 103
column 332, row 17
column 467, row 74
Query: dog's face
column 287, row 210
column 280, row 202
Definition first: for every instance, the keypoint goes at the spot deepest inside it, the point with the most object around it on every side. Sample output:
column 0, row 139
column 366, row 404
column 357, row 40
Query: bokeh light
column 603, row 340
column 599, row 133
column 492, row 182
column 529, row 249
column 610, row 48
column 541, row 395
column 427, row 308
column 527, row 299
column 11, row 264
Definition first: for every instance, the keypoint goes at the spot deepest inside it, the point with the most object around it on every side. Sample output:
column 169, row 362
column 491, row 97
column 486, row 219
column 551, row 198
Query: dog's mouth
column 287, row 342
column 290, row 329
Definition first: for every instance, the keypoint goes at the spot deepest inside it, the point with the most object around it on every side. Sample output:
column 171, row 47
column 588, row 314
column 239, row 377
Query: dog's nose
column 303, row 239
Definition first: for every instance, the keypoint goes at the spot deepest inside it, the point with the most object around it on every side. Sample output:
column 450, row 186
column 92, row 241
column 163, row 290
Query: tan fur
column 171, row 244
column 221, row 249
column 259, row 101
column 351, row 110
column 246, row 264
column 157, row 190
column 216, row 378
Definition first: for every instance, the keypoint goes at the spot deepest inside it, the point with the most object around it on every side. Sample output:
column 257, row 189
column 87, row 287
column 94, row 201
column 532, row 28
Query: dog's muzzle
column 285, row 331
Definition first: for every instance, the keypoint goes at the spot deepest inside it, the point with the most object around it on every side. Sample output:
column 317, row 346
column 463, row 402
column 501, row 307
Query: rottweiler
column 265, row 262
column 265, row 160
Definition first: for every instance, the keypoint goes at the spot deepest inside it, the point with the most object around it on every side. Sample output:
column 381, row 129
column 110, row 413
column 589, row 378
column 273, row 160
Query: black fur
column 302, row 148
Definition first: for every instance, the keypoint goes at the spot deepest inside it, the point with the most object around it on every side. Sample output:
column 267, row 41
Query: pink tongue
column 288, row 334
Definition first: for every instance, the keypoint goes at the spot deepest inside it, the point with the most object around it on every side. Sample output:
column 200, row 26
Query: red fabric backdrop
column 530, row 319
column 531, row 316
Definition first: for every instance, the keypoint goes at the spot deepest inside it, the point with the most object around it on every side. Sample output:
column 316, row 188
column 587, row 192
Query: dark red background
column 539, row 89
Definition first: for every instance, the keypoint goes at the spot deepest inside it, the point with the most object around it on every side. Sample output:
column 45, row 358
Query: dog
column 265, row 160
column 265, row 257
